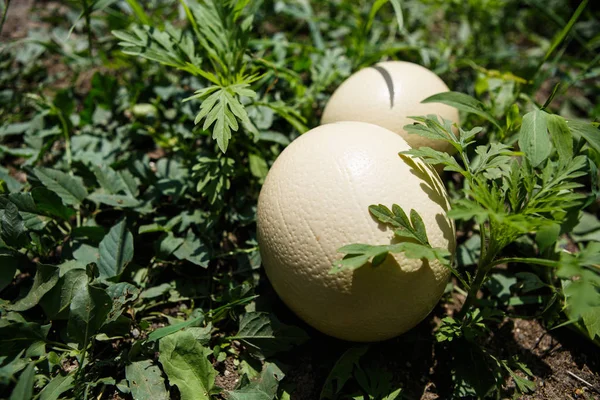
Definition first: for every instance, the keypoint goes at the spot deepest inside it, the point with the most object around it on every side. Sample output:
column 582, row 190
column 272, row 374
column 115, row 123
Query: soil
column 564, row 364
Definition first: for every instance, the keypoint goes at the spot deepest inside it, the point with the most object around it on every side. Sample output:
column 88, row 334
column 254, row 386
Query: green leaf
column 146, row 381
column 222, row 108
column 265, row 388
column 45, row 279
column 185, row 362
column 116, row 251
column 49, row 203
column 115, row 200
column 193, row 250
column 589, row 132
column 547, row 236
column 121, row 293
column 397, row 218
column 342, row 372
column 266, row 334
column 70, row 189
column 561, row 137
column 56, row 387
column 16, row 336
column 8, row 268
column 57, row 301
column 533, row 138
column 88, row 311
column 168, row 330
column 464, row 103
column 591, row 321
column 23, row 390
column 434, row 157
column 258, row 166
column 13, row 231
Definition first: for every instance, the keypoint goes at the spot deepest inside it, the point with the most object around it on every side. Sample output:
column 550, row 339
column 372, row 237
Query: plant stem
column 86, row 11
column 65, row 129
column 4, row 14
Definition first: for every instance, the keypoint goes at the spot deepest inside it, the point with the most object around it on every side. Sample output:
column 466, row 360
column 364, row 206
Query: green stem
column 65, row 129
column 86, row 11
column 4, row 14
column 524, row 260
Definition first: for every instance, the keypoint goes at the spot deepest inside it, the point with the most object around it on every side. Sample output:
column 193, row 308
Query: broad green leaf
column 56, row 387
column 49, row 203
column 70, row 189
column 342, row 372
column 561, row 137
column 146, row 381
column 258, row 166
column 267, row 335
column 57, row 301
column 23, row 390
column 193, row 250
column 463, row 102
column 533, row 138
column 185, row 362
column 88, row 311
column 45, row 279
column 116, row 251
column 115, row 200
column 16, row 336
column 121, row 293
column 8, row 267
column 264, row 388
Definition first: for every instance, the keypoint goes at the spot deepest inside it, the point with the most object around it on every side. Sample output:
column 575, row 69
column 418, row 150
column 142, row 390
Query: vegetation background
column 134, row 137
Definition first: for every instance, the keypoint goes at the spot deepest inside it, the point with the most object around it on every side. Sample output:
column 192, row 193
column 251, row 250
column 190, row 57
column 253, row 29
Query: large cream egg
column 386, row 94
column 315, row 200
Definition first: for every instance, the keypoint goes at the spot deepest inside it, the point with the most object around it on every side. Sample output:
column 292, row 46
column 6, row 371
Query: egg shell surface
column 387, row 94
column 315, row 200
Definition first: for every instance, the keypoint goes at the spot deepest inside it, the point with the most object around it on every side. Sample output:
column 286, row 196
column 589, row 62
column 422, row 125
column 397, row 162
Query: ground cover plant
column 134, row 139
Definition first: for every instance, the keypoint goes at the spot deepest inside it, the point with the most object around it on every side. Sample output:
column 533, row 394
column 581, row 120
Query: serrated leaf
column 267, row 335
column 146, row 381
column 116, row 251
column 341, row 372
column 534, row 140
column 591, row 321
column 70, row 189
column 45, row 279
column 88, row 310
column 12, row 229
column 265, row 388
column 464, row 103
column 185, row 362
column 589, row 132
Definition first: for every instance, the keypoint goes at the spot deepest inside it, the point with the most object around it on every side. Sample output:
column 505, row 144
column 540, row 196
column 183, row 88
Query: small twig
column 584, row 381
column 4, row 14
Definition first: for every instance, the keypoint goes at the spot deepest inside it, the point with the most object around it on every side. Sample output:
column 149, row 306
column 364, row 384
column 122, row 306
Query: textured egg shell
column 315, row 200
column 386, row 95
